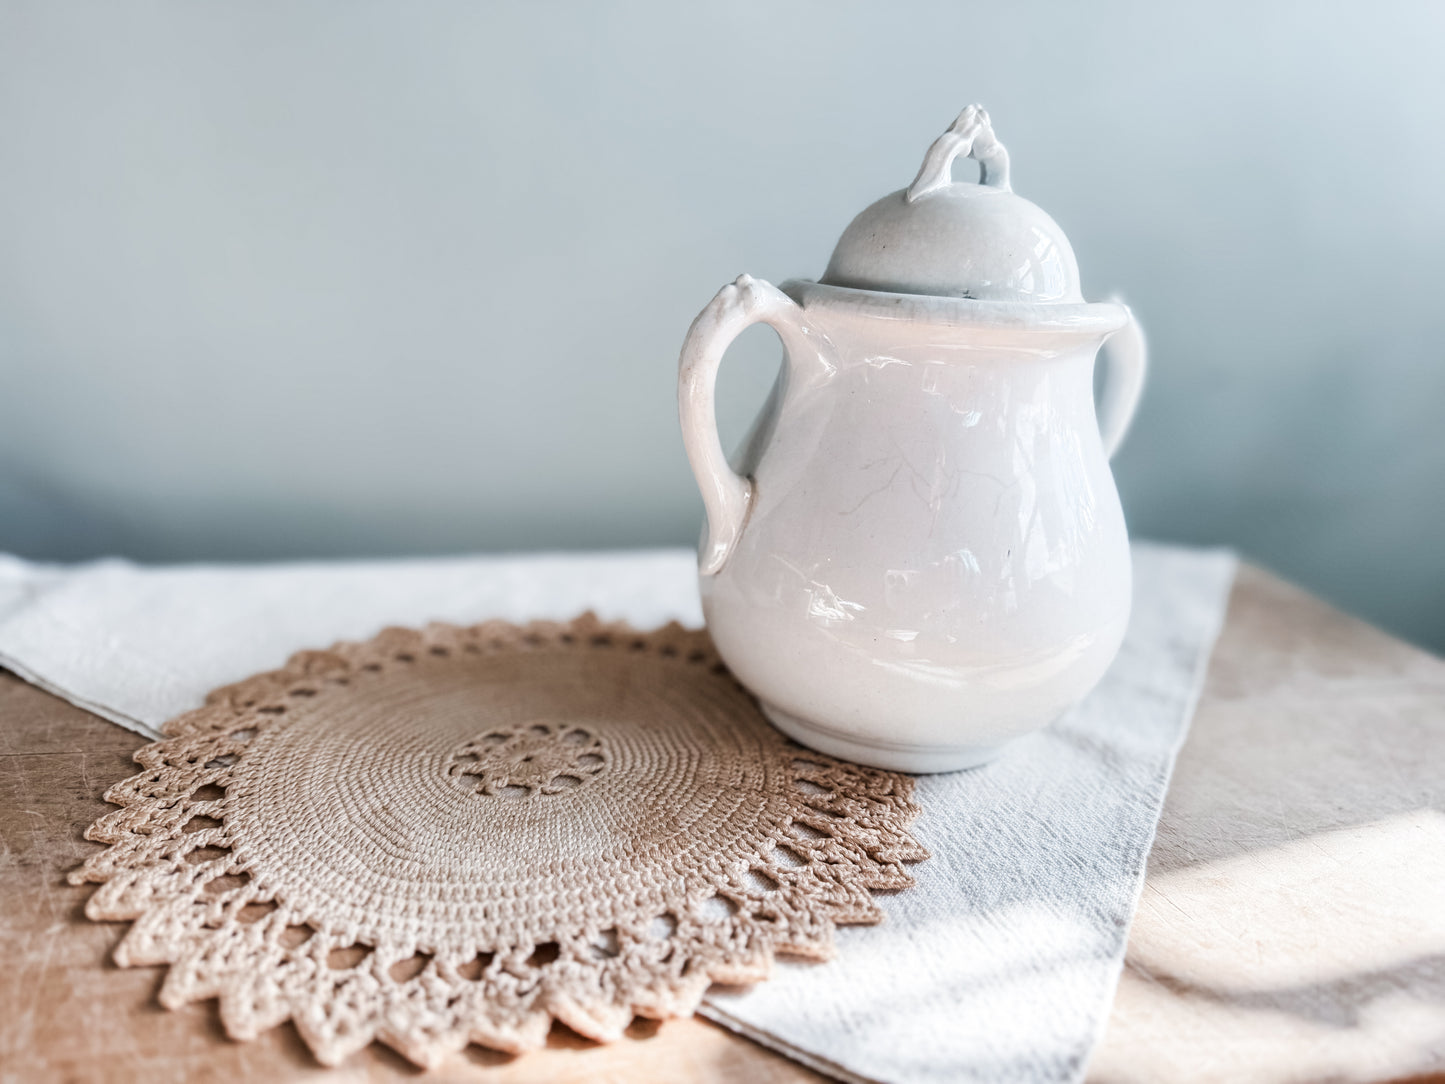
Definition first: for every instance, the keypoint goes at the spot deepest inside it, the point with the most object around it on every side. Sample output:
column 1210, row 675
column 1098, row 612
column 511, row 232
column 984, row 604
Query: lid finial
column 971, row 134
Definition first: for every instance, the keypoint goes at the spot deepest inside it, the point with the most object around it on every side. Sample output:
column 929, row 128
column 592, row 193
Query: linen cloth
column 998, row 966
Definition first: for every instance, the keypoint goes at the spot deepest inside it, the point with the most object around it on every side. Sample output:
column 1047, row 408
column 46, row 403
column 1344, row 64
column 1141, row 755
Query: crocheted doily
column 461, row 834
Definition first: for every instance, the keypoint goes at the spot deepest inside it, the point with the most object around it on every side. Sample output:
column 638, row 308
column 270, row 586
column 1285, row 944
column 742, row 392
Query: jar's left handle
column 726, row 495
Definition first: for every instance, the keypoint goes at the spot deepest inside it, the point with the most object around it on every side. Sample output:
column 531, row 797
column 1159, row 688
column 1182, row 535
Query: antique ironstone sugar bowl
column 921, row 555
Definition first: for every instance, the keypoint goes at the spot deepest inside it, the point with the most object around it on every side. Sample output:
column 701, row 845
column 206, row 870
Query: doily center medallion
column 539, row 758
column 458, row 835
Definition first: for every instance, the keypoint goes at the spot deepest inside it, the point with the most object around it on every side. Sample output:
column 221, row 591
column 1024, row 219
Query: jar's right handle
column 1127, row 359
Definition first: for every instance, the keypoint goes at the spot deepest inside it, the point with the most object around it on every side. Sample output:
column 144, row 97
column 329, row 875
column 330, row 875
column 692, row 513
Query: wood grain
column 1292, row 927
column 1288, row 930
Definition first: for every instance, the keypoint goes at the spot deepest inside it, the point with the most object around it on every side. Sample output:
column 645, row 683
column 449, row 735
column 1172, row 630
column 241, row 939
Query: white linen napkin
column 999, row 966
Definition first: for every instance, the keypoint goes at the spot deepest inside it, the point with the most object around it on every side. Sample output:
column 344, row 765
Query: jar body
column 934, row 560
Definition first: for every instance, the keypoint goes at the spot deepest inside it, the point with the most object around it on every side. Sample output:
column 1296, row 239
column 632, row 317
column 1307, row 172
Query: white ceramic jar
column 922, row 554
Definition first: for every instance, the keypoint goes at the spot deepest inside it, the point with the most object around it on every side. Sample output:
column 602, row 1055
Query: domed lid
column 956, row 239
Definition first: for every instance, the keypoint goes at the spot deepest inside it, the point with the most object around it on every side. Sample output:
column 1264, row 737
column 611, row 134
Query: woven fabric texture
column 460, row 834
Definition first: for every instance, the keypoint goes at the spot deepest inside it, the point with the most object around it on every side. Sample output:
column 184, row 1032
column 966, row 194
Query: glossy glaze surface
column 922, row 555
column 934, row 558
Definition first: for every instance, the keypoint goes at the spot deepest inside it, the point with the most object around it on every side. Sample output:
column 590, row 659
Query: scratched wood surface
column 1293, row 926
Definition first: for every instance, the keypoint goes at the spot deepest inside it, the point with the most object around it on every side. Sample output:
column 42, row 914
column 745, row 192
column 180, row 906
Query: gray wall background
column 306, row 279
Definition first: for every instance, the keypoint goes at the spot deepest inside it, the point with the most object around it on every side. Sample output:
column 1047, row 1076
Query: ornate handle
column 1127, row 360
column 726, row 495
column 971, row 134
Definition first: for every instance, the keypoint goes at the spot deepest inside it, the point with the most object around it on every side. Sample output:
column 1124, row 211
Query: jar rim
column 1083, row 318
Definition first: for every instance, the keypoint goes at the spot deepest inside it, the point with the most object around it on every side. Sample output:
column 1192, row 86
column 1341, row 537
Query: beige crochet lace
column 459, row 835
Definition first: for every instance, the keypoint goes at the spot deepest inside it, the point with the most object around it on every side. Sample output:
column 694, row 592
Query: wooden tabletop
column 1292, row 927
